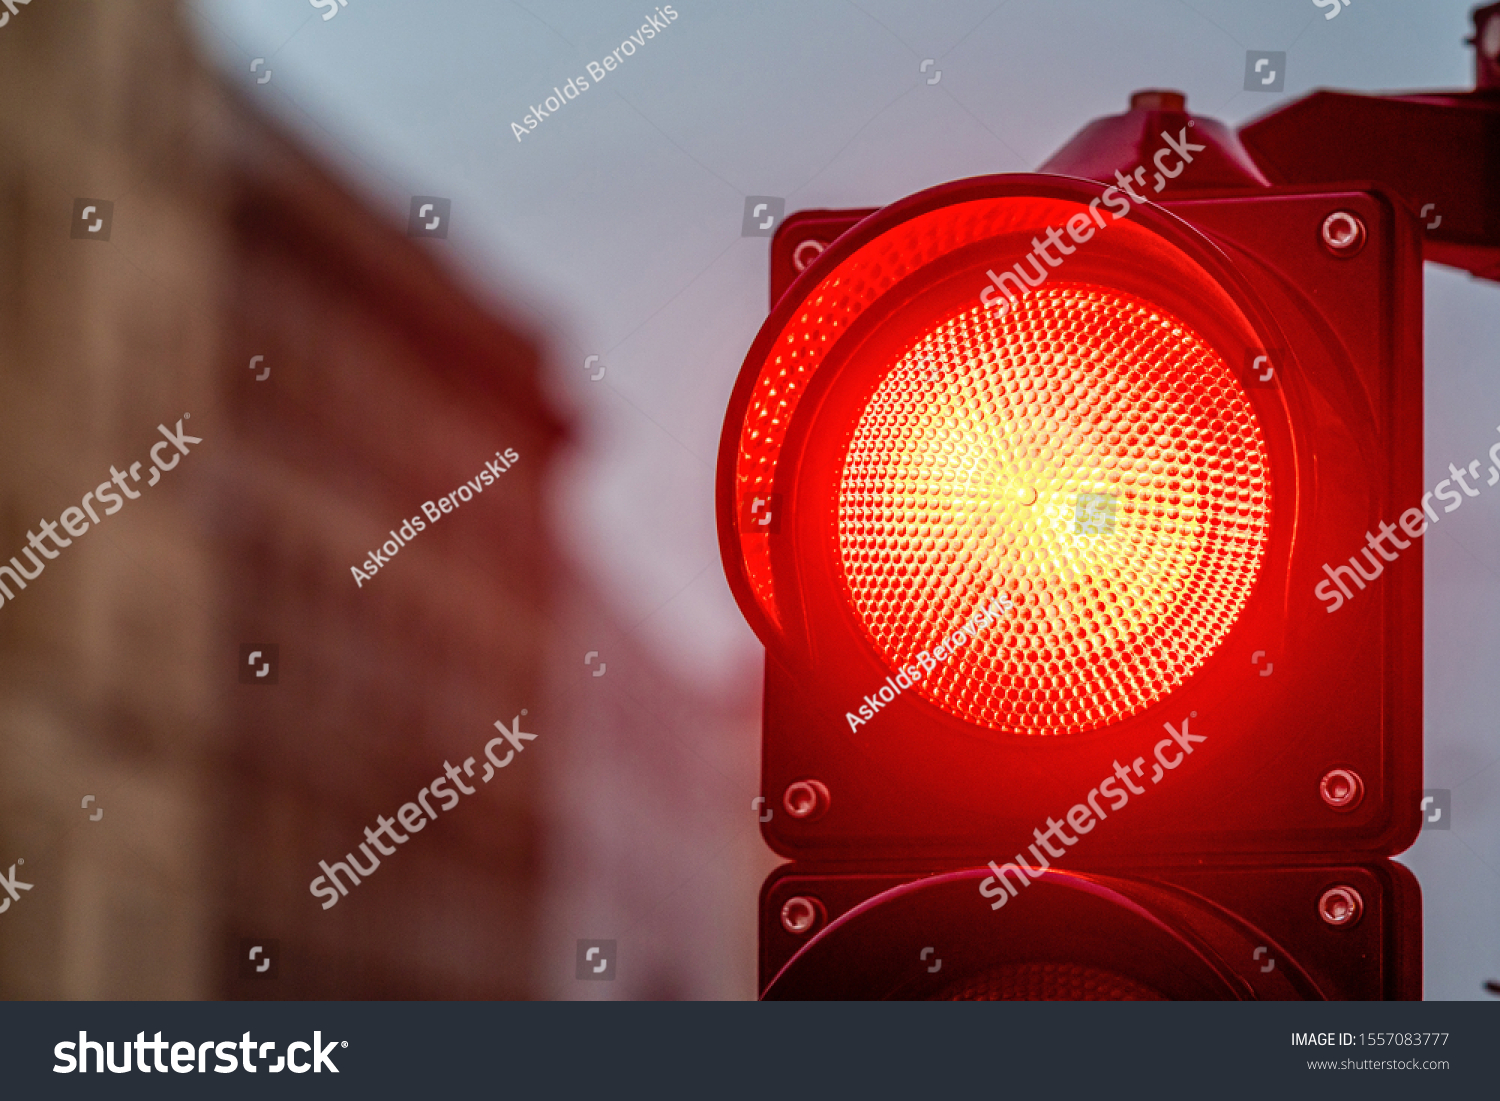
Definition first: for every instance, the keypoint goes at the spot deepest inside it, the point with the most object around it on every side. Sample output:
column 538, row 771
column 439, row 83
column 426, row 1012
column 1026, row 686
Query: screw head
column 806, row 800
column 800, row 915
column 806, row 252
column 1342, row 789
column 1341, row 906
column 1343, row 233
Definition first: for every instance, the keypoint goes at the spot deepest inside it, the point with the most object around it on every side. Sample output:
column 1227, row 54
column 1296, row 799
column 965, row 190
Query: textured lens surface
column 1047, row 982
column 826, row 314
column 1088, row 456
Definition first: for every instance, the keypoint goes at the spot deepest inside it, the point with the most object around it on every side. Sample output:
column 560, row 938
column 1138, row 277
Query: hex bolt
column 1341, row 906
column 806, row 800
column 1343, row 233
column 806, row 252
column 800, row 915
column 1342, row 789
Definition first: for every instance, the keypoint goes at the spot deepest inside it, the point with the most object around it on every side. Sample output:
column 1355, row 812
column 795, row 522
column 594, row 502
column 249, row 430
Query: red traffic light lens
column 1090, row 456
column 901, row 452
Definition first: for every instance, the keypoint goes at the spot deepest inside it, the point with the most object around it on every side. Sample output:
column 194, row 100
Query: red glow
column 1091, row 457
column 826, row 314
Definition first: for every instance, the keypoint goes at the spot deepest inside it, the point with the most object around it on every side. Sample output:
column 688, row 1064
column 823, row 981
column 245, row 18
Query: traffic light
column 1186, row 932
column 1065, row 505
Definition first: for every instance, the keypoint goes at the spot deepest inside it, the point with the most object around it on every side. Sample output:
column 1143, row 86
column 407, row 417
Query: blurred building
column 651, row 835
column 219, row 242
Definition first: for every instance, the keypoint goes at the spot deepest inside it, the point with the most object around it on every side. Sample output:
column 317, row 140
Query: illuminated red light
column 1086, row 451
column 1088, row 455
column 841, row 297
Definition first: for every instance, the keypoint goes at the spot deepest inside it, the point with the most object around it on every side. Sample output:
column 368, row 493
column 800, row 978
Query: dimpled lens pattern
column 826, row 314
column 1047, row 982
column 1089, row 456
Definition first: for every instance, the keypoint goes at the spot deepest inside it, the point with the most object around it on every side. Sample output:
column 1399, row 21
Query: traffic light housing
column 1051, row 567
column 1304, row 932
